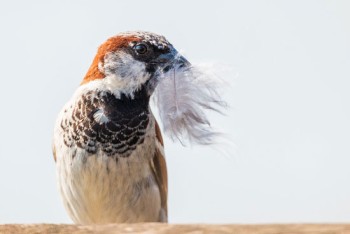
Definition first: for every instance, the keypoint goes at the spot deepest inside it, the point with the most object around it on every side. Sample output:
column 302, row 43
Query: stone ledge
column 175, row 228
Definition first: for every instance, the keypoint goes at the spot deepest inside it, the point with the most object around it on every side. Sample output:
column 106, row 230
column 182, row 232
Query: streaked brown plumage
column 107, row 145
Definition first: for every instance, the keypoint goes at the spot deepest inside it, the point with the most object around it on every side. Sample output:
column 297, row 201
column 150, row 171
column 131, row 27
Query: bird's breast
column 100, row 189
column 104, row 146
column 100, row 121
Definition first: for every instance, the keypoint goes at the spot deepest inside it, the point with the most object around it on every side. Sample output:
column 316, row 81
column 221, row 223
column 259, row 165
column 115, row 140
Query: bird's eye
column 141, row 48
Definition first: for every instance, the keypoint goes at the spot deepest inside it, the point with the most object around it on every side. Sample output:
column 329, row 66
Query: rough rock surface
column 176, row 228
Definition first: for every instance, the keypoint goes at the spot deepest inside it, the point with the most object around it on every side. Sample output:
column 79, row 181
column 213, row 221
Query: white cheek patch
column 123, row 73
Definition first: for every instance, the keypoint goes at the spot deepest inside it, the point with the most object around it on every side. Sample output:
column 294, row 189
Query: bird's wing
column 158, row 166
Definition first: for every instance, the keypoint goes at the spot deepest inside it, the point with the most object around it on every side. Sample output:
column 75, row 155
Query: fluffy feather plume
column 183, row 96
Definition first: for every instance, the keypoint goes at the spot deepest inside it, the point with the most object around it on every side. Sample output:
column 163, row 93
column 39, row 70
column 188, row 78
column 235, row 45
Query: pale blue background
column 289, row 116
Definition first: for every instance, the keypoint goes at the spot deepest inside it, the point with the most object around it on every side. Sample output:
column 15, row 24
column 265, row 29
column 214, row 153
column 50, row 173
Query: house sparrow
column 107, row 144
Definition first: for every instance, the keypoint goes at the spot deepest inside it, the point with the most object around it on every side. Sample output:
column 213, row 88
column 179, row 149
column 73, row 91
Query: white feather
column 183, row 95
column 100, row 117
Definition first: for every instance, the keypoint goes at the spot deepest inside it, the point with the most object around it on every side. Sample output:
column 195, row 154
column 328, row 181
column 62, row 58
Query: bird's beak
column 170, row 60
column 164, row 63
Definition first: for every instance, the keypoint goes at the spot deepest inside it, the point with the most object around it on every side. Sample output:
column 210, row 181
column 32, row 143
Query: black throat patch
column 100, row 121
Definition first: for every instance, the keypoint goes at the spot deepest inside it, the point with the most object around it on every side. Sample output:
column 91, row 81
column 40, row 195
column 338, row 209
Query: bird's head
column 132, row 61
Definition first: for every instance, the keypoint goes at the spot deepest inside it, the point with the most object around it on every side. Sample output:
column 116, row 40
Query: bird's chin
column 158, row 75
column 152, row 83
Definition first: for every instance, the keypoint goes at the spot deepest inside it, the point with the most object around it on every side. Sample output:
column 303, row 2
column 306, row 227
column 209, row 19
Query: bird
column 107, row 145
